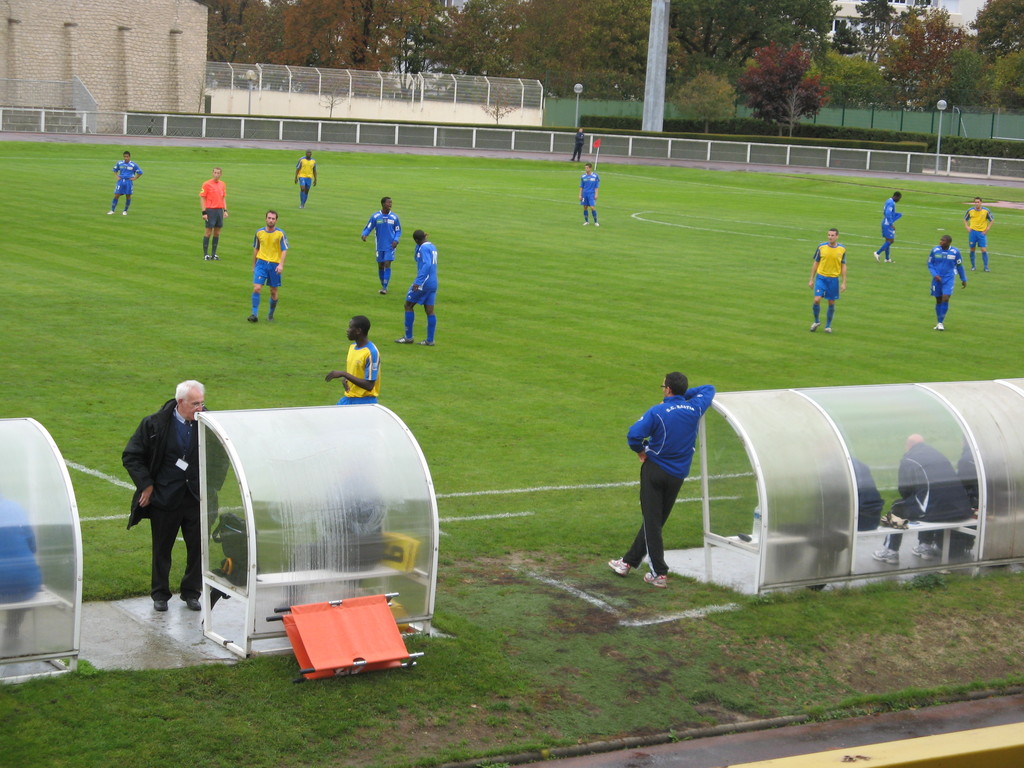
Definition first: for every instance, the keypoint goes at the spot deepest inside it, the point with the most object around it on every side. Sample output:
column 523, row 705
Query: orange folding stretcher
column 345, row 637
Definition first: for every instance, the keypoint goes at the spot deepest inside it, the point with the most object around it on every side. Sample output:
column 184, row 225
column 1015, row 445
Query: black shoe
column 160, row 605
column 192, row 603
column 253, row 319
column 215, row 257
column 216, row 595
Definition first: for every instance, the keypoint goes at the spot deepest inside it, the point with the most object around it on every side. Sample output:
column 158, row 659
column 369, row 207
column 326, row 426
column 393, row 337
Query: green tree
column 778, row 87
column 919, row 62
column 245, row 31
column 1000, row 27
column 852, row 81
column 707, row 97
column 970, row 77
column 878, row 23
column 721, row 35
column 481, row 38
column 846, row 39
column 1008, row 80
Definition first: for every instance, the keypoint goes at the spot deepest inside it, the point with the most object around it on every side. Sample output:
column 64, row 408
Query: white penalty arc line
column 695, row 613
column 581, row 487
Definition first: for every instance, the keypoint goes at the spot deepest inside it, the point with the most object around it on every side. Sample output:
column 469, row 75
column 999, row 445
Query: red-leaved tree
column 778, row 88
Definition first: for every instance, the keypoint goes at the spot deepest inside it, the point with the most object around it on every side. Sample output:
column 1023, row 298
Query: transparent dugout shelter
column 40, row 556
column 785, row 473
column 307, row 505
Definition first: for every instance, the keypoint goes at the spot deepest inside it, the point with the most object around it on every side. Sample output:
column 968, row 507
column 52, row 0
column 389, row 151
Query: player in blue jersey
column 944, row 263
column 269, row 250
column 978, row 221
column 423, row 290
column 590, row 182
column 126, row 172
column 305, row 176
column 828, row 277
column 889, row 219
column 388, row 231
column 362, row 365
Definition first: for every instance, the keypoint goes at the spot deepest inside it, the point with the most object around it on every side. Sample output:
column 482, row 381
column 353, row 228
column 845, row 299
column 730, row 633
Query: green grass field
column 552, row 339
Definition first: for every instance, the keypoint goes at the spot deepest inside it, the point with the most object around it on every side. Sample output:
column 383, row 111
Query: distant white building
column 961, row 12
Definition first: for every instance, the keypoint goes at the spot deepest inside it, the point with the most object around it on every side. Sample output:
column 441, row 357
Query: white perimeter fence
column 116, row 124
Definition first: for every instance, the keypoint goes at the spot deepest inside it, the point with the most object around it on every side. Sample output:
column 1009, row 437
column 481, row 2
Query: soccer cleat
column 814, row 326
column 877, row 255
column 124, row 213
column 110, row 213
column 925, row 551
column 940, row 327
column 253, row 319
column 656, row 581
column 404, row 340
column 301, row 207
column 270, row 318
column 215, row 257
column 974, row 269
column 890, row 261
column 206, row 257
column 597, row 224
column 987, row 269
column 885, row 555
column 426, row 343
column 828, row 329
column 621, row 567
column 383, row 291
column 586, row 223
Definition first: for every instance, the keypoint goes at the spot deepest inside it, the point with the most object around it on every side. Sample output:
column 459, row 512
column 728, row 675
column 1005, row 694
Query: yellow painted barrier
column 1001, row 746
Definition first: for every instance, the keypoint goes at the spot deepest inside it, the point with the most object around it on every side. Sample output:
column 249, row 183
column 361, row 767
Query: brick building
column 130, row 54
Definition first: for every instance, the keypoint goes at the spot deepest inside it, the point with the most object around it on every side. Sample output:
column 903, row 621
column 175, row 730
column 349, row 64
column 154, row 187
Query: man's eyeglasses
column 198, row 404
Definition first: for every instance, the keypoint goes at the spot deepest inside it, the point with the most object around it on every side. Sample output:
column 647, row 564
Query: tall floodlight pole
column 657, row 59
column 578, row 89
column 938, row 144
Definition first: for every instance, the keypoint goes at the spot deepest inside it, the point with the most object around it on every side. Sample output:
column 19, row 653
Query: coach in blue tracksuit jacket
column 664, row 439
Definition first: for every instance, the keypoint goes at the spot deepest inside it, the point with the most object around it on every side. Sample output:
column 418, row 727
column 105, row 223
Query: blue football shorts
column 588, row 201
column 826, row 287
column 305, row 182
column 123, row 187
column 265, row 273
column 888, row 232
column 425, row 298
column 944, row 287
column 388, row 255
column 977, row 239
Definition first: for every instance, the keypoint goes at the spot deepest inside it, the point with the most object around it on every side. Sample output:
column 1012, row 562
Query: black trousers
column 658, row 492
column 164, row 526
column 577, row 150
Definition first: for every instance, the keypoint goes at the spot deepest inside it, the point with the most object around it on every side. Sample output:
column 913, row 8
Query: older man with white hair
column 162, row 458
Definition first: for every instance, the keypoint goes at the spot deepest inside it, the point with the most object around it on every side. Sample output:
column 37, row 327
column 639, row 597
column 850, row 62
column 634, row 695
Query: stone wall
column 130, row 54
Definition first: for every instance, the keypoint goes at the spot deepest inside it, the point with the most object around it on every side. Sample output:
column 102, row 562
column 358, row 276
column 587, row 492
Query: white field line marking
column 96, row 473
column 696, row 613
column 498, row 516
column 582, row 487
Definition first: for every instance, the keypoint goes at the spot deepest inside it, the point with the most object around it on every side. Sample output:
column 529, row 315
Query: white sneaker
column 621, row 567
column 124, row 213
column 110, row 213
column 885, row 555
column 828, row 329
column 586, row 223
column 940, row 327
column 877, row 255
column 597, row 224
column 814, row 326
column 925, row 551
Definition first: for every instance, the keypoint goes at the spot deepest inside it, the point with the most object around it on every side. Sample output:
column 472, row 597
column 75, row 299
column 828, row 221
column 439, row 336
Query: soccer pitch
column 552, row 337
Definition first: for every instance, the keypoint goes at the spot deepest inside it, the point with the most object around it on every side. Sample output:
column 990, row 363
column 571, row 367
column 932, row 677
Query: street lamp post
column 578, row 89
column 938, row 144
column 250, row 75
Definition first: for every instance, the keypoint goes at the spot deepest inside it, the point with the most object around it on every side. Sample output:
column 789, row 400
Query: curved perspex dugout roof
column 306, row 505
column 40, row 555
column 812, row 463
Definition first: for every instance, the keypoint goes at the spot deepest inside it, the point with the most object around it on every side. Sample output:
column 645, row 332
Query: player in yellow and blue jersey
column 978, row 221
column 305, row 176
column 269, row 250
column 362, row 365
column 828, row 277
column 590, row 182
column 388, row 229
column 126, row 172
column 889, row 219
column 944, row 264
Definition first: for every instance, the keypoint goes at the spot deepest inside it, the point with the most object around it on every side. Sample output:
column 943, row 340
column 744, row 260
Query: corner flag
column 597, row 146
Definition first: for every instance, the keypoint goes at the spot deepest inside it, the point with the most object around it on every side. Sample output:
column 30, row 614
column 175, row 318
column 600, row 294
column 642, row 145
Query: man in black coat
column 162, row 458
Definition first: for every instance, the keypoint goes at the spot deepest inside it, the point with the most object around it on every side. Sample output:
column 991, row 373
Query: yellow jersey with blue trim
column 270, row 244
column 363, row 363
column 978, row 219
column 305, row 167
column 830, row 259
